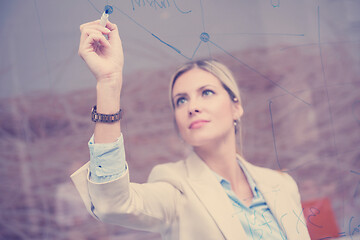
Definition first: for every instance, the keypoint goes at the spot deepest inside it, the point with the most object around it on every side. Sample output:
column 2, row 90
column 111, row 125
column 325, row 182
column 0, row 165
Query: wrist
column 108, row 95
column 110, row 84
column 113, row 80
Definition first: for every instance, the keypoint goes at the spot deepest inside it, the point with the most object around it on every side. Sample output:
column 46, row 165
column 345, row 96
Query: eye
column 180, row 101
column 207, row 92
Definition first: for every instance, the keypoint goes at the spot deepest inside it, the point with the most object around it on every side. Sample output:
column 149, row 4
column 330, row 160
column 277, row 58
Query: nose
column 193, row 108
column 193, row 112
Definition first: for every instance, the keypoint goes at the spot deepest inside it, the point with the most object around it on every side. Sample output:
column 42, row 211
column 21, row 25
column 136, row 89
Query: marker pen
column 107, row 11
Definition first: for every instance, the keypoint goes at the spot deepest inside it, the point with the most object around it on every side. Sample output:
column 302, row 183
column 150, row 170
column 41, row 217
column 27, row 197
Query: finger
column 96, row 38
column 96, row 22
column 103, row 41
column 110, row 29
column 85, row 34
column 111, row 26
column 114, row 36
column 92, row 42
column 97, row 27
column 113, row 29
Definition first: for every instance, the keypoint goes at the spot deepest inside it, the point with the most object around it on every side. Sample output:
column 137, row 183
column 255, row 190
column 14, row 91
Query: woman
column 214, row 193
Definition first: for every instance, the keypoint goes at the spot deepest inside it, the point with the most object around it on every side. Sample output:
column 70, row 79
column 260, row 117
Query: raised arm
column 149, row 206
column 105, row 59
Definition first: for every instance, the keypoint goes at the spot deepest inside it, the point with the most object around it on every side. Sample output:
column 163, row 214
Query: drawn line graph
column 46, row 55
column 333, row 135
column 205, row 37
column 156, row 4
column 358, row 185
column 261, row 34
column 322, row 43
column 259, row 73
column 325, row 86
column 325, row 80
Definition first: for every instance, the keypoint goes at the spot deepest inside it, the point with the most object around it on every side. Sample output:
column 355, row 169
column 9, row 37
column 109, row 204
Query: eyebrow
column 199, row 89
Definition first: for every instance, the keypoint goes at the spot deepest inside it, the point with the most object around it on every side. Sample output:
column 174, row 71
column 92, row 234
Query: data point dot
column 204, row 37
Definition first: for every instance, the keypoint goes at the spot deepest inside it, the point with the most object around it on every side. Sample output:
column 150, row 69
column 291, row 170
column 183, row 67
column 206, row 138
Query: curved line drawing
column 205, row 37
column 273, row 135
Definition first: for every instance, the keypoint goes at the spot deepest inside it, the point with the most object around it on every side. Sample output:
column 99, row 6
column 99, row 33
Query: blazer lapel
column 211, row 194
column 278, row 199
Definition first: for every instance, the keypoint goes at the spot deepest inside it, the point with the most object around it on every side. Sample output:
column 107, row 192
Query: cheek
column 224, row 114
column 179, row 120
column 223, row 109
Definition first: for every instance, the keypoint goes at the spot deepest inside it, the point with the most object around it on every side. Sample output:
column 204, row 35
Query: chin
column 200, row 140
column 203, row 138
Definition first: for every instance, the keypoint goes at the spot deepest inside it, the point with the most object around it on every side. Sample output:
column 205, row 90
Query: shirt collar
column 226, row 184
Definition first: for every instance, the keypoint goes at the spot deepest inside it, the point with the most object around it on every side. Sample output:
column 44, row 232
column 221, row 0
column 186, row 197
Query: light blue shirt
column 257, row 220
column 107, row 163
column 107, row 160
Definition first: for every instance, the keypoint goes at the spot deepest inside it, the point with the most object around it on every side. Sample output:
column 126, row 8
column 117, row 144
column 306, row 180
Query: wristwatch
column 105, row 118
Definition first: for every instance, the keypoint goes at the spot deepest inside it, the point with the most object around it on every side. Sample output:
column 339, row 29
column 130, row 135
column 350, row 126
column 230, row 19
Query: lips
column 198, row 124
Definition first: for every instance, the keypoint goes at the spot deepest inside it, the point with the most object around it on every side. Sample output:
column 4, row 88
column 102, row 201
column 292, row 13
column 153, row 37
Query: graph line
column 259, row 73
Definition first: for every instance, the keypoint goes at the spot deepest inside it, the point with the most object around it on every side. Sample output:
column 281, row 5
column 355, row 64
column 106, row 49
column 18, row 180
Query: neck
column 221, row 158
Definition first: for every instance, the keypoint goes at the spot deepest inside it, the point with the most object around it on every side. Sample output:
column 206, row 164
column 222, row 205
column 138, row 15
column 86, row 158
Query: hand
column 103, row 56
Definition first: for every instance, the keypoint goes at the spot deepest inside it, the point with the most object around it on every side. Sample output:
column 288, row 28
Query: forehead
column 193, row 80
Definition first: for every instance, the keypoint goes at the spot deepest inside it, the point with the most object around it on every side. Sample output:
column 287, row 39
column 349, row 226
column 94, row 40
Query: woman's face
column 204, row 111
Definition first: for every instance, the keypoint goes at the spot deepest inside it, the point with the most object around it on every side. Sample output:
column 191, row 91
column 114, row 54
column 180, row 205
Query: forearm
column 108, row 102
column 105, row 59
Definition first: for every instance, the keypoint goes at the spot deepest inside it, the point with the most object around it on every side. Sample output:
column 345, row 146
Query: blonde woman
column 212, row 194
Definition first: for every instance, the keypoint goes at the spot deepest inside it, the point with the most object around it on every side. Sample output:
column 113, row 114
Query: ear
column 238, row 110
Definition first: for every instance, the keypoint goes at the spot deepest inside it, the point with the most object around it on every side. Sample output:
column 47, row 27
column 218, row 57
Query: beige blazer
column 185, row 201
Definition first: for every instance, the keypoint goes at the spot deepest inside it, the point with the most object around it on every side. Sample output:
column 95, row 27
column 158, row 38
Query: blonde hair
column 225, row 76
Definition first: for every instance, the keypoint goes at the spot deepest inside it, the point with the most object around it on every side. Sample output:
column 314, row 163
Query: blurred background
column 297, row 64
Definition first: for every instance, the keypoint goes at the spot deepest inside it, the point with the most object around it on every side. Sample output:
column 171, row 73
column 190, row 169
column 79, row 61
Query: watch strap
column 105, row 118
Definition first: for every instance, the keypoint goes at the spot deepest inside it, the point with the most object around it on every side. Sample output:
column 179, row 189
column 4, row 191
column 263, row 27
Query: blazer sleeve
column 293, row 188
column 150, row 206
